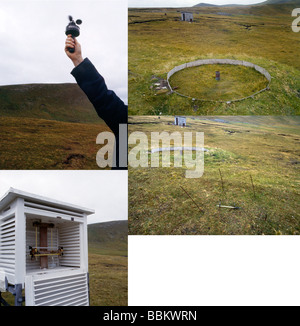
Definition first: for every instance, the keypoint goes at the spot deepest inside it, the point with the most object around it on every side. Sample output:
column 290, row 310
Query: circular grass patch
column 236, row 82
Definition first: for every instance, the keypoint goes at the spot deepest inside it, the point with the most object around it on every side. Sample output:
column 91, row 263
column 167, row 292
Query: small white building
column 44, row 250
column 180, row 121
column 187, row 16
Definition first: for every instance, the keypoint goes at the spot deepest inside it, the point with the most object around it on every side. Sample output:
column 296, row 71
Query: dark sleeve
column 108, row 105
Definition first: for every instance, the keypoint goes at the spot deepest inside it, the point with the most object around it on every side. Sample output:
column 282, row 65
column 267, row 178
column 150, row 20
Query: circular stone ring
column 220, row 61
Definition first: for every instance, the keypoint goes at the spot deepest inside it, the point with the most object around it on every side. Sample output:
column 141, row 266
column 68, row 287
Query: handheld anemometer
column 73, row 29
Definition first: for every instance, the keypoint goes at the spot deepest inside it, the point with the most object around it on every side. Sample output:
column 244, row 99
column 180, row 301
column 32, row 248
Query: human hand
column 76, row 56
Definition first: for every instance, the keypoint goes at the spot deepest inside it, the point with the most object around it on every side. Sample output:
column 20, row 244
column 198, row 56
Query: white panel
column 7, row 245
column 63, row 289
column 52, row 209
column 69, row 239
column 20, row 243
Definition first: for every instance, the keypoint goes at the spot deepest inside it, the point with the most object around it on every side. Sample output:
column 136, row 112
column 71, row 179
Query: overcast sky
column 185, row 3
column 32, row 37
column 104, row 191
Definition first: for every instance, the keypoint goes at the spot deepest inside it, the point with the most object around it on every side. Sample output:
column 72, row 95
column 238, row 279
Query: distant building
column 180, row 121
column 186, row 16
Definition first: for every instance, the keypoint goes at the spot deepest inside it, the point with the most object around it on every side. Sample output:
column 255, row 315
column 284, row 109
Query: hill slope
column 61, row 102
column 203, row 4
column 268, row 2
column 39, row 144
column 108, row 237
column 273, row 2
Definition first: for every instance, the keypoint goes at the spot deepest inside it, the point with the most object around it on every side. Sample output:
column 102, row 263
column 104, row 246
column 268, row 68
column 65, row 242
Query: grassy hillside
column 268, row 2
column 108, row 237
column 261, row 34
column 61, row 102
column 38, row 144
column 204, row 4
column 108, row 263
column 48, row 126
column 266, row 149
column 272, row 2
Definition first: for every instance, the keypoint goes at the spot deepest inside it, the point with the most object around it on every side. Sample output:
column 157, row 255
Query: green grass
column 108, row 263
column 109, row 238
column 108, row 279
column 48, row 126
column 265, row 148
column 163, row 42
column 28, row 143
column 236, row 82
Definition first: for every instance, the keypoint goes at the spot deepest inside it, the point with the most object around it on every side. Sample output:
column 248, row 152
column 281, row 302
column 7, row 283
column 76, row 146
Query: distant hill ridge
column 108, row 235
column 268, row 2
column 274, row 2
column 61, row 102
column 203, row 4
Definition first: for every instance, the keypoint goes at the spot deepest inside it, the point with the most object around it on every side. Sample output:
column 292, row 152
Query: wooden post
column 252, row 186
column 43, row 243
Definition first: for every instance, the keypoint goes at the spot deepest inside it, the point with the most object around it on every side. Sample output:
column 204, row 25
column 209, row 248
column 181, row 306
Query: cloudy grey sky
column 32, row 37
column 185, row 3
column 104, row 191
